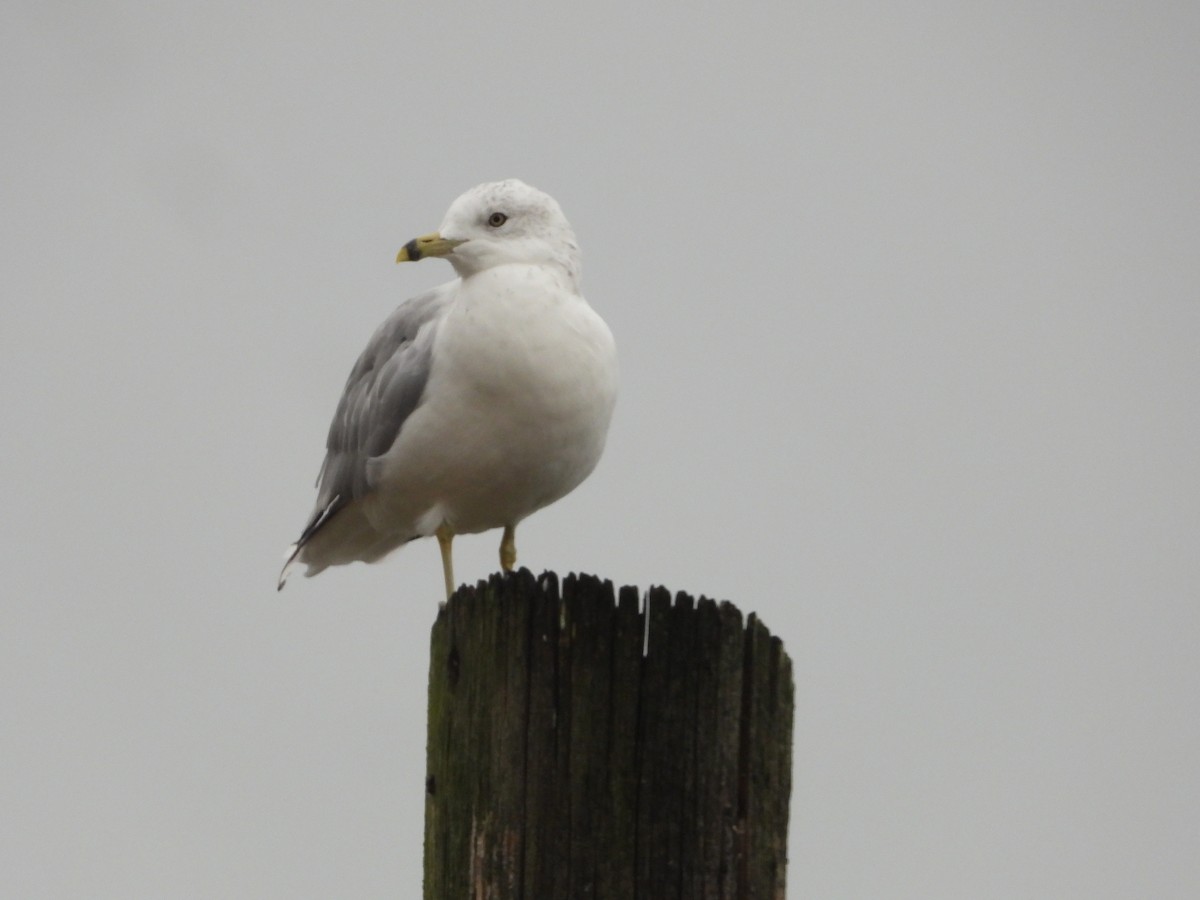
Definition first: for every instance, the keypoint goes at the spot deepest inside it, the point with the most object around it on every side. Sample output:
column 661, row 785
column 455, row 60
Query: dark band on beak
column 413, row 249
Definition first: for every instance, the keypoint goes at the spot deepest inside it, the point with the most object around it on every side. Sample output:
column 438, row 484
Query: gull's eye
column 497, row 219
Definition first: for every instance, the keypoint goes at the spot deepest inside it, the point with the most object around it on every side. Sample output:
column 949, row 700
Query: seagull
column 475, row 404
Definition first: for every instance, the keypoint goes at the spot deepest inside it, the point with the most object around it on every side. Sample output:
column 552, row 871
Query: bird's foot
column 508, row 548
column 445, row 536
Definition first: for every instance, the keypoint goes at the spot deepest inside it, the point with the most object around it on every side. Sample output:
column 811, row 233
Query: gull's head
column 499, row 223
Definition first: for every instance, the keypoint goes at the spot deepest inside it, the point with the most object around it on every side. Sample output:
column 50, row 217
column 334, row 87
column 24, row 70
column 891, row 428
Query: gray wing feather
column 384, row 387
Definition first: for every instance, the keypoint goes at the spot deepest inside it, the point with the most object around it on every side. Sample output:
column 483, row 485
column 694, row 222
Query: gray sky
column 908, row 308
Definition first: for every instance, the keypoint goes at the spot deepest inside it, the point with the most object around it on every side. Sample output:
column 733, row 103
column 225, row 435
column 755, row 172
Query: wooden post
column 585, row 749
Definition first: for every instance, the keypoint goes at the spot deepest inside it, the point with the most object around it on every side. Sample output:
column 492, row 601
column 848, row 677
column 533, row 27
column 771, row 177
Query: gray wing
column 384, row 387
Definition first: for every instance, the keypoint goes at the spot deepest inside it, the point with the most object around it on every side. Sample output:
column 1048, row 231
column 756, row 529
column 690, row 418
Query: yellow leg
column 508, row 548
column 445, row 536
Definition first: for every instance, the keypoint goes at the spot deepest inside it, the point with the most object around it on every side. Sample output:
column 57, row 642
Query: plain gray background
column 908, row 308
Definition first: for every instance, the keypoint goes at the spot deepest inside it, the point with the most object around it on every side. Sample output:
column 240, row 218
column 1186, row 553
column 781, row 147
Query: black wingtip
column 293, row 552
column 313, row 527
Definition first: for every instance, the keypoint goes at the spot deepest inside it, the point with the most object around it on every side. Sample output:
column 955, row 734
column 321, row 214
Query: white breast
column 517, row 406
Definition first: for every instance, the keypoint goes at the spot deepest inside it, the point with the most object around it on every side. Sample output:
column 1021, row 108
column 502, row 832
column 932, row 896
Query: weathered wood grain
column 585, row 747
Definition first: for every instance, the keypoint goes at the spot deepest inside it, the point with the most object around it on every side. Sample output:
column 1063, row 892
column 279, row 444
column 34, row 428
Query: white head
column 499, row 223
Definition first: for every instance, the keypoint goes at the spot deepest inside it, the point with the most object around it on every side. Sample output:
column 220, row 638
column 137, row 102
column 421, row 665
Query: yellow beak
column 426, row 245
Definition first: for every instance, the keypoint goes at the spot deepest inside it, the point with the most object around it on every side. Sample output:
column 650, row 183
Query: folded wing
column 385, row 386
